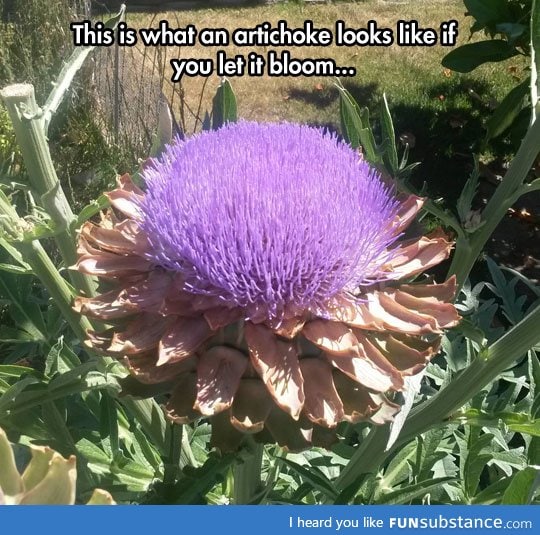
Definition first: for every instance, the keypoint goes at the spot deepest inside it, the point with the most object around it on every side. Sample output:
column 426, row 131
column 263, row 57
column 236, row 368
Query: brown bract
column 291, row 382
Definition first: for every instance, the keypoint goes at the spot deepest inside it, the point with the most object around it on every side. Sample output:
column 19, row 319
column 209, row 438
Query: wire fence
column 124, row 86
column 129, row 85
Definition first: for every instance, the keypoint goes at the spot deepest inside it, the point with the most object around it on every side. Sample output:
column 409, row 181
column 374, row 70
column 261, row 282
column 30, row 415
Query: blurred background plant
column 47, row 479
column 478, row 443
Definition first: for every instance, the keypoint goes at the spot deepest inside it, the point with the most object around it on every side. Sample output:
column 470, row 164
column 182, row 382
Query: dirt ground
column 516, row 241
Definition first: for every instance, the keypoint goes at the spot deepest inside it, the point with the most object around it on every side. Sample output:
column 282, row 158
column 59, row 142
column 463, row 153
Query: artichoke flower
column 263, row 275
column 48, row 479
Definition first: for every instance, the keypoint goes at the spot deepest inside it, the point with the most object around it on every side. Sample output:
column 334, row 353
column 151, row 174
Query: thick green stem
column 150, row 416
column 468, row 250
column 172, row 462
column 59, row 291
column 501, row 355
column 462, row 260
column 461, row 389
column 247, row 475
column 29, row 127
column 39, row 261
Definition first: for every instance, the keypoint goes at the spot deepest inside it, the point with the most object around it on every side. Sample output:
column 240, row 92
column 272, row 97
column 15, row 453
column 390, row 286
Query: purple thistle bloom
column 244, row 277
column 273, row 218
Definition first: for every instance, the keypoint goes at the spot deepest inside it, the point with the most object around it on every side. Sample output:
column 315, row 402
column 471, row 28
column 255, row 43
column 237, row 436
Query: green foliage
column 507, row 23
column 357, row 131
column 66, row 406
column 468, row 57
column 506, row 17
column 508, row 110
column 223, row 105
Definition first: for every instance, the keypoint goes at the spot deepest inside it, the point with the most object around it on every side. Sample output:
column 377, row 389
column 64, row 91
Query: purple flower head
column 273, row 218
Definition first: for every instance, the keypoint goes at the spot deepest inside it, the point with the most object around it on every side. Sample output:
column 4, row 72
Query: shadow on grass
column 447, row 128
column 325, row 96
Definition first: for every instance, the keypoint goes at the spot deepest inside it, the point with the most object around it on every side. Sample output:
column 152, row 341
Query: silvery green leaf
column 411, row 388
column 399, row 468
column 523, row 488
column 411, row 492
column 224, row 108
column 464, row 202
column 11, row 483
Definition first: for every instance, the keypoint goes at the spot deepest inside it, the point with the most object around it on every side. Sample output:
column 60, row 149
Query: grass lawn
column 442, row 109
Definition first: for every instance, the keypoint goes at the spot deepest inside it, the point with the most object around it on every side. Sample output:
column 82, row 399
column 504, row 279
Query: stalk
column 44, row 269
column 247, row 475
column 172, row 462
column 56, row 286
column 499, row 356
column 29, row 126
column 468, row 250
